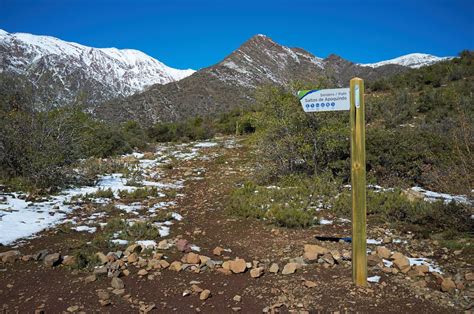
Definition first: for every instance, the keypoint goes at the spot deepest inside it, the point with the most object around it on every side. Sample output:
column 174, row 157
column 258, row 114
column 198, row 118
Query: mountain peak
column 412, row 60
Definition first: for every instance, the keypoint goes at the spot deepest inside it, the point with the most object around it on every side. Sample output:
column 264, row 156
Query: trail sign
column 349, row 99
column 325, row 99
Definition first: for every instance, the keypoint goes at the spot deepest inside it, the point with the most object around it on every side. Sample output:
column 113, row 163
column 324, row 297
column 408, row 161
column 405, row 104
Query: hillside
column 232, row 82
column 59, row 73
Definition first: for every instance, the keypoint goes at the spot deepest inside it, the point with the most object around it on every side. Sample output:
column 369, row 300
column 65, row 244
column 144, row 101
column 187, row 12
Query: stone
column 125, row 272
column 204, row 259
column 373, row 260
column 224, row 271
column 274, row 268
column 290, row 268
column 313, row 248
column 396, row 255
column 105, row 302
column 118, row 291
column 102, row 257
column 218, row 251
column 142, row 272
column 176, row 266
column 132, row 258
column 117, row 283
column 336, row 255
column 163, row 245
column 183, row 245
column 328, row 259
column 69, row 260
column 226, row 265
column 145, row 308
column 192, row 258
column 134, row 248
column 10, row 256
column 469, row 276
column 402, row 263
column 90, row 278
column 52, row 259
column 237, row 298
column 164, row 264
column 205, row 294
column 383, row 252
column 158, row 256
column 101, row 271
column 422, row 268
column 196, row 289
column 256, row 272
column 238, row 265
column 73, row 308
column 309, row 284
column 103, row 295
column 448, row 285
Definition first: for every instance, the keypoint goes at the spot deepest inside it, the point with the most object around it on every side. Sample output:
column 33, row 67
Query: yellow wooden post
column 359, row 229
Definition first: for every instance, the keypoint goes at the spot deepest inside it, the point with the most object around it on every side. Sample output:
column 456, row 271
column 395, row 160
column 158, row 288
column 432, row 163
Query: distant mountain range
column 61, row 72
column 120, row 85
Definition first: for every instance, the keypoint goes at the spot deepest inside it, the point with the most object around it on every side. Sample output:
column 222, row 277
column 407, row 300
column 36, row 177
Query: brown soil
column 26, row 286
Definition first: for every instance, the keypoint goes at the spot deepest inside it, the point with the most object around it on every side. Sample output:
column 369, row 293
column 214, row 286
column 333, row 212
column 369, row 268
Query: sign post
column 349, row 99
column 359, row 215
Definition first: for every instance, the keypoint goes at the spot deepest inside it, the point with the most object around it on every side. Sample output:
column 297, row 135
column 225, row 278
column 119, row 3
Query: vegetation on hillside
column 420, row 131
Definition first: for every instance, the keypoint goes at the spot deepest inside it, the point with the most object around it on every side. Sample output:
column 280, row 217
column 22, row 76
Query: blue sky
column 196, row 34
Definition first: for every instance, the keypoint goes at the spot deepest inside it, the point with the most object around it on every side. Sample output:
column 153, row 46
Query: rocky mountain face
column 59, row 73
column 232, row 82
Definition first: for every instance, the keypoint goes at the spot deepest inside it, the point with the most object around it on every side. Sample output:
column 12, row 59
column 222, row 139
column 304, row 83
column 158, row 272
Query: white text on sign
column 325, row 99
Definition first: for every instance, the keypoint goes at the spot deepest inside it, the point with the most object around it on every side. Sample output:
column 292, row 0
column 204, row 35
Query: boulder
column 290, row 268
column 176, row 266
column 256, row 272
column 238, row 265
column 312, row 252
column 402, row 263
column 52, row 259
column 183, row 245
column 448, row 285
column 10, row 256
column 69, row 260
column 274, row 268
column 205, row 294
column 383, row 252
column 102, row 257
column 218, row 251
column 192, row 258
column 117, row 283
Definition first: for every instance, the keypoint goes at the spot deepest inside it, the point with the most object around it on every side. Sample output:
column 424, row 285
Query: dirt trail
column 30, row 286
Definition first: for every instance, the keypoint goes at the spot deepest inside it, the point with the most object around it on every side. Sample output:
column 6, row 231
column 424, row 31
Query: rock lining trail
column 208, row 261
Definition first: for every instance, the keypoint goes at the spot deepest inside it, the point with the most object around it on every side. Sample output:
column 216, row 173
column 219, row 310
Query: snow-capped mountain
column 412, row 60
column 62, row 72
column 232, row 82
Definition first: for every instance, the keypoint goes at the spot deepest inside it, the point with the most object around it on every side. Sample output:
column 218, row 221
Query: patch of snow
column 412, row 60
column 147, row 244
column 119, row 241
column 425, row 261
column 373, row 241
column 176, row 216
column 325, row 222
column 432, row 196
column 387, row 263
column 195, row 248
column 85, row 228
column 373, row 279
column 206, row 144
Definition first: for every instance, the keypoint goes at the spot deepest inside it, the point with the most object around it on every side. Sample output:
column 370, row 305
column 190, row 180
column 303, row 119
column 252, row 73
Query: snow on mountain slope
column 102, row 72
column 412, row 60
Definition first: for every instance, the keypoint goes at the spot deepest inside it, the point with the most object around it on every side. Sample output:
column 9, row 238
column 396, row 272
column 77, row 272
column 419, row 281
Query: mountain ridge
column 49, row 61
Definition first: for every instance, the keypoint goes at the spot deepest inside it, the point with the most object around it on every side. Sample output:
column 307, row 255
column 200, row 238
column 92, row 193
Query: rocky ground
column 206, row 260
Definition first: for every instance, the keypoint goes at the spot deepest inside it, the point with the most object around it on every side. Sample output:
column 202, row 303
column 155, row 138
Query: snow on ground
column 431, row 196
column 22, row 219
column 374, row 279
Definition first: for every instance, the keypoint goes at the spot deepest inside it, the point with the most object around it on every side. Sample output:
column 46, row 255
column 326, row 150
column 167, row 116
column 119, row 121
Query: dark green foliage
column 422, row 217
column 290, row 204
column 37, row 149
column 138, row 194
column 418, row 131
column 201, row 128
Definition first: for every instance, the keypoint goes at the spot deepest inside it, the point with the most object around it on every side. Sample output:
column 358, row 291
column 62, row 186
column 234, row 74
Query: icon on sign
column 312, row 105
column 333, row 104
column 328, row 104
column 317, row 105
column 322, row 104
